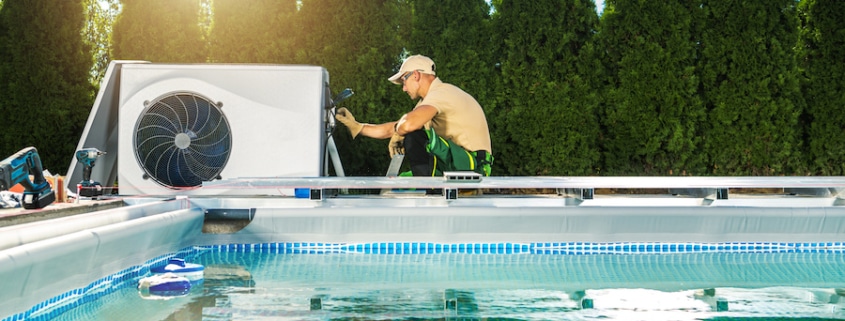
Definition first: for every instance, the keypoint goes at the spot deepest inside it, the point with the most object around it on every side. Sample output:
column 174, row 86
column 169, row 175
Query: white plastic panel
column 15, row 235
column 275, row 113
column 36, row 271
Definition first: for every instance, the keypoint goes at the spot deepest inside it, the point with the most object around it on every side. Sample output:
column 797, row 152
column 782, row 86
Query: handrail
column 505, row 182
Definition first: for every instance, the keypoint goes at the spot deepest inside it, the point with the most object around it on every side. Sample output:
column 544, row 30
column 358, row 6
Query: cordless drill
column 17, row 169
column 87, row 157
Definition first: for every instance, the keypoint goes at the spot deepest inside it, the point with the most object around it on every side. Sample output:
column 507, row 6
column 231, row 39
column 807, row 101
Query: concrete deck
column 19, row 215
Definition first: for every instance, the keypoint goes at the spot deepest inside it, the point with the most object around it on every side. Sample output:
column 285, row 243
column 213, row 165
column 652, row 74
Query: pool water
column 461, row 286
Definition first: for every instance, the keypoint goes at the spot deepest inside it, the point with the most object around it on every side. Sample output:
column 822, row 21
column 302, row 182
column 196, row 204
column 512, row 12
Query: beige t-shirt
column 459, row 116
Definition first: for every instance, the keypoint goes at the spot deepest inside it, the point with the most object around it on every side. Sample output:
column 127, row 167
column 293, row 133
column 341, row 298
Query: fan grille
column 182, row 139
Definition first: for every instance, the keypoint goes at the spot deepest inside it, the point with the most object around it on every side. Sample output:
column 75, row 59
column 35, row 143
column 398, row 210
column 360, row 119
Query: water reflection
column 709, row 286
column 219, row 280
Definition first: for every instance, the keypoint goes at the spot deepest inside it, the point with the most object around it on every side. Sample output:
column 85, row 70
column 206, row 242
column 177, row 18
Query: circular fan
column 182, row 139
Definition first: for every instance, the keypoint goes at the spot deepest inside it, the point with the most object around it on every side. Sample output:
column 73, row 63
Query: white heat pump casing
column 275, row 112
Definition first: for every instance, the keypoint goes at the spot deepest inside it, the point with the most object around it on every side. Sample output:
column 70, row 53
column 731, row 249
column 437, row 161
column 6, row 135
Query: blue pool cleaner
column 191, row 271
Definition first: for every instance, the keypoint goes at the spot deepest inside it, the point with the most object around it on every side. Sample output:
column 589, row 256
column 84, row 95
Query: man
column 446, row 131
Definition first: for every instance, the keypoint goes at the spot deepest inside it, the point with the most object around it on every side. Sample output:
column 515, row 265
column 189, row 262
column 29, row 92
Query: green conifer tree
column 456, row 34
column 820, row 53
column 161, row 31
column 255, row 31
column 5, row 69
column 98, row 28
column 652, row 112
column 546, row 114
column 750, row 87
column 45, row 95
column 360, row 43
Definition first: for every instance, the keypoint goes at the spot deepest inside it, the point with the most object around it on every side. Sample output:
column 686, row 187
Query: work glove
column 344, row 116
column 396, row 145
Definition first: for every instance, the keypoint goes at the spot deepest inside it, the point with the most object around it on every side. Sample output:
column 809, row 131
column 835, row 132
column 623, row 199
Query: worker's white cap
column 419, row 63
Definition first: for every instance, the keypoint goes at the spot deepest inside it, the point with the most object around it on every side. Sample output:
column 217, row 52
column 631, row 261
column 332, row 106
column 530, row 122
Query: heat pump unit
column 183, row 125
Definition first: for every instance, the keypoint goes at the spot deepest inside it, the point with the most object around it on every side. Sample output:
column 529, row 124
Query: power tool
column 16, row 169
column 87, row 157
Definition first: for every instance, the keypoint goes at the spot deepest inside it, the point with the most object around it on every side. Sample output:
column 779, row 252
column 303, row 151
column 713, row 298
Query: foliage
column 456, row 35
column 100, row 16
column 652, row 112
column 44, row 66
column 545, row 118
column 255, row 31
column 689, row 87
column 360, row 43
column 160, row 31
column 750, row 87
column 822, row 46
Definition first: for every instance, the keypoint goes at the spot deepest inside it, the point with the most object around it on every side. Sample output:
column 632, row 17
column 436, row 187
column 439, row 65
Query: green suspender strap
column 451, row 157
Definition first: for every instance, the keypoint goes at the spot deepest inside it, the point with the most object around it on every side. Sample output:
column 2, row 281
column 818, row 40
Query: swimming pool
column 89, row 257
column 382, row 281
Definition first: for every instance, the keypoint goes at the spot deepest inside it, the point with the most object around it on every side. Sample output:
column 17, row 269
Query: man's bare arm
column 416, row 119
column 379, row 131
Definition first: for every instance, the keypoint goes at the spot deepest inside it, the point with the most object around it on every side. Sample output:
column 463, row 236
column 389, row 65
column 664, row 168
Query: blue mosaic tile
column 54, row 306
column 61, row 303
column 575, row 248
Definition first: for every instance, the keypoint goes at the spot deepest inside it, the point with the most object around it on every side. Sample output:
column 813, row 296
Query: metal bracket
column 463, row 176
column 721, row 193
column 316, row 194
column 578, row 193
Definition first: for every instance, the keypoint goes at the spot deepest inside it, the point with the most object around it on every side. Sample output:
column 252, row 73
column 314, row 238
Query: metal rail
column 514, row 182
